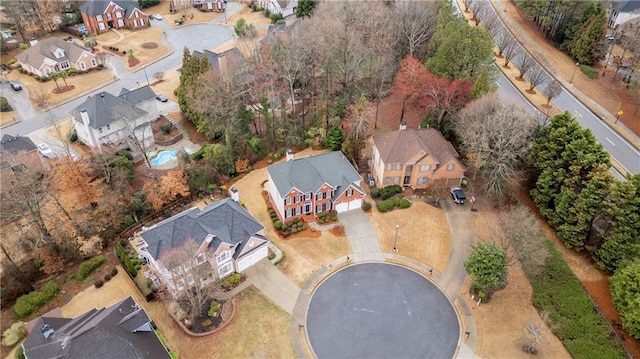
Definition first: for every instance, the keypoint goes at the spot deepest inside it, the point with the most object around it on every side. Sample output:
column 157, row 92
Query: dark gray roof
column 98, row 334
column 231, row 59
column 137, row 96
column 627, row 5
column 226, row 220
column 15, row 144
column 104, row 108
column 97, row 7
column 308, row 174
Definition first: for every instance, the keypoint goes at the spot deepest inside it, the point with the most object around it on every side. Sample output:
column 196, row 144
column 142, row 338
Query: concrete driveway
column 19, row 101
column 462, row 236
column 275, row 285
column 364, row 242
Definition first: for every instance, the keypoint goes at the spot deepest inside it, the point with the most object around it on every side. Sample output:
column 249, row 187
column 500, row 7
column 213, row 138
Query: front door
column 407, row 180
column 307, row 208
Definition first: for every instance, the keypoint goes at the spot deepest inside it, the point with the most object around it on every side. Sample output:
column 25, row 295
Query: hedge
column 389, row 205
column 124, row 258
column 14, row 334
column 27, row 303
column 87, row 267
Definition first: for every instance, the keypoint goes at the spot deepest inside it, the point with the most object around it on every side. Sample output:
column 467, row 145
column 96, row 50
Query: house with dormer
column 228, row 239
column 104, row 120
column 123, row 330
column 416, row 158
column 51, row 55
column 102, row 15
column 283, row 7
column 303, row 187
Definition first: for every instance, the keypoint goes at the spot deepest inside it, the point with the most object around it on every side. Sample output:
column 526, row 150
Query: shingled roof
column 137, row 96
column 226, row 61
column 122, row 330
column 226, row 220
column 401, row 145
column 97, row 7
column 15, row 144
column 308, row 174
column 104, row 109
column 44, row 49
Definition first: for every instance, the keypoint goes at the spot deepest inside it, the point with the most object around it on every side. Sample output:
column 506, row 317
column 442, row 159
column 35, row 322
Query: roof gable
column 137, row 96
column 48, row 49
column 401, row 145
column 226, row 220
column 98, row 7
column 104, row 109
column 309, row 174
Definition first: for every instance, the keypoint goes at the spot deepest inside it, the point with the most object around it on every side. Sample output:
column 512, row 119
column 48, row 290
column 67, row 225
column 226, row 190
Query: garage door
column 347, row 206
column 252, row 258
column 342, row 207
column 355, row 204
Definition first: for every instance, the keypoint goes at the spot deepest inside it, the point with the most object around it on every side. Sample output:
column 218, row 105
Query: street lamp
column 395, row 242
column 144, row 68
column 574, row 73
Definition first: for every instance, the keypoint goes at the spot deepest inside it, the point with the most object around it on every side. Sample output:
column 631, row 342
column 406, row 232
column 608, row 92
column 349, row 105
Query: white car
column 46, row 151
column 156, row 16
column 76, row 157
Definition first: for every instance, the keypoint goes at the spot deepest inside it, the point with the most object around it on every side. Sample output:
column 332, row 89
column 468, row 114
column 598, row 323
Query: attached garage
column 252, row 258
column 347, row 206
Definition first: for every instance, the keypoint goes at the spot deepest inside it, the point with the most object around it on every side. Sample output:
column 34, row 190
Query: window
column 135, row 23
column 389, row 167
column 187, row 266
column 82, row 66
column 118, row 14
column 108, row 16
column 99, row 17
column 190, row 279
column 425, row 168
column 225, row 269
column 141, row 22
column 396, row 180
column 318, row 196
column 307, row 208
column 94, row 63
column 298, row 210
column 65, row 65
column 288, row 213
column 176, row 270
column 398, row 166
column 307, row 196
column 328, row 205
column 318, row 208
column 100, row 129
column 223, row 256
column 287, row 201
column 450, row 167
column 201, row 258
column 423, row 180
column 101, row 25
column 387, row 180
column 349, row 192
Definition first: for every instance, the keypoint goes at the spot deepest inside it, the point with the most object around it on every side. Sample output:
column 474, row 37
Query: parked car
column 83, row 30
column 160, row 97
column 16, row 86
column 76, row 157
column 156, row 16
column 458, row 195
column 46, row 151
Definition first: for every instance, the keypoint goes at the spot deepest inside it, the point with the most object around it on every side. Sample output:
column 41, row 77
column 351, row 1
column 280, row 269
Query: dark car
column 458, row 195
column 15, row 86
column 160, row 97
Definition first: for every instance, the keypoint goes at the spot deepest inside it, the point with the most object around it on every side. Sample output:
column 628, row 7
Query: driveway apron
column 462, row 236
column 275, row 285
column 359, row 230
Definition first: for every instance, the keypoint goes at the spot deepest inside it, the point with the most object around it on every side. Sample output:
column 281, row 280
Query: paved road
column 379, row 310
column 195, row 37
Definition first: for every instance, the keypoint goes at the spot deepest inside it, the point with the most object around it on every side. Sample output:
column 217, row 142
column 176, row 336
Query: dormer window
column 58, row 53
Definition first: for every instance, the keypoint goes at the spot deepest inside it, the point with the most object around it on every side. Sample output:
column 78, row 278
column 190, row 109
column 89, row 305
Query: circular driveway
column 378, row 310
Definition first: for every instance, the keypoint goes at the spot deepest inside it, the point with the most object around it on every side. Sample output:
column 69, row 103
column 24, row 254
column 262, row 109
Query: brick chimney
column 289, row 154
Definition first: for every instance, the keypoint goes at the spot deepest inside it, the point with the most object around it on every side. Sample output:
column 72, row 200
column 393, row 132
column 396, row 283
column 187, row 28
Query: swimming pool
column 166, row 156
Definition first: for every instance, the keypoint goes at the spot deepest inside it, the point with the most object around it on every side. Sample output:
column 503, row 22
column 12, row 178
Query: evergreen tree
column 305, row 8
column 585, row 46
column 192, row 67
column 621, row 243
column 487, row 266
column 625, row 293
column 485, row 83
column 334, row 138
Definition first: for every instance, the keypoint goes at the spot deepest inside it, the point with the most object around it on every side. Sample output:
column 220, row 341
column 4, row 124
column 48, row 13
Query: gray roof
column 308, row 174
column 226, row 220
column 98, row 334
column 627, row 5
column 137, row 96
column 104, row 109
column 97, row 7
column 15, row 144
column 36, row 54
column 230, row 60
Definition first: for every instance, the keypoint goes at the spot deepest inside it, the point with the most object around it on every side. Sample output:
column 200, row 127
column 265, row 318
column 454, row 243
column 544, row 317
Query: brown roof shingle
column 36, row 54
column 399, row 146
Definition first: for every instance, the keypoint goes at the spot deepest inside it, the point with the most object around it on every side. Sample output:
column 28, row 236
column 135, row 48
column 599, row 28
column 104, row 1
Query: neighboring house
column 304, row 187
column 284, row 7
column 105, row 120
column 102, row 15
column 123, row 330
column 229, row 238
column 228, row 62
column 209, row 5
column 18, row 153
column 53, row 55
column 416, row 158
column 622, row 11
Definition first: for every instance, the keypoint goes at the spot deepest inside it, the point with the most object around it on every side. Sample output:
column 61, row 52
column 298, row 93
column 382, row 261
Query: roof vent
column 47, row 331
column 102, row 94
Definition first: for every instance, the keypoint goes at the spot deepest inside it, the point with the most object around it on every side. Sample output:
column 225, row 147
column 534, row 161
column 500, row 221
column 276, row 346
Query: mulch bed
column 63, row 89
column 106, row 48
column 133, row 62
column 159, row 134
column 149, row 45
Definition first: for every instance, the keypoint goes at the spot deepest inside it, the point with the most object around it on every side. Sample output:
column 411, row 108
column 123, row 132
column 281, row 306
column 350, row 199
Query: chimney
column 289, row 154
column 235, row 196
column 33, row 41
column 403, row 125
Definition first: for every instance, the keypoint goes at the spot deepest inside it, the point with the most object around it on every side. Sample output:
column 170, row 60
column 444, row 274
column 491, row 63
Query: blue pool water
column 165, row 156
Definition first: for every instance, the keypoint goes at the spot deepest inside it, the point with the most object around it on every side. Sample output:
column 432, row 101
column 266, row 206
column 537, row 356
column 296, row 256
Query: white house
column 284, row 7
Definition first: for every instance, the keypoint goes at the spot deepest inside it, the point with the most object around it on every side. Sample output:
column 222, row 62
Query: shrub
column 625, row 291
column 27, row 303
column 294, row 230
column 50, row 290
column 366, row 206
column 321, row 215
column 275, row 17
column 19, row 353
column 107, row 277
column 131, row 269
column 14, row 334
column 284, row 255
column 87, row 267
column 167, row 127
column 278, row 224
column 589, row 71
column 98, row 283
column 389, row 191
column 114, row 271
column 213, row 308
column 404, row 203
column 375, row 192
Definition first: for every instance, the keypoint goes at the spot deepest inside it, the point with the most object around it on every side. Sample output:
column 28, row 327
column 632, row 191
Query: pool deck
column 171, row 164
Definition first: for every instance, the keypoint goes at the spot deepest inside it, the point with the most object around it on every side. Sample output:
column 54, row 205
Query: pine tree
column 584, row 47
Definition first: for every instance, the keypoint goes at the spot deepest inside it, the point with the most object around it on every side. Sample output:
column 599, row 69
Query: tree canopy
column 487, row 266
column 625, row 292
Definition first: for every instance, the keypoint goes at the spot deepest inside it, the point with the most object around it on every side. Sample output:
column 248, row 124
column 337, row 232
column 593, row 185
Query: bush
column 625, row 291
column 107, row 277
column 73, row 136
column 284, row 255
column 589, row 71
column 27, row 303
column 131, row 269
column 87, row 267
column 14, row 334
column 278, row 224
column 389, row 191
column 213, row 308
column 20, row 353
column 114, row 271
column 98, row 283
column 50, row 290
column 275, row 17
column 404, row 203
column 167, row 127
column 366, row 206
column 385, row 206
column 375, row 192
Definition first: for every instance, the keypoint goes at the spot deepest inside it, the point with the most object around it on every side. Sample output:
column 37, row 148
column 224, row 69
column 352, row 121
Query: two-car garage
column 347, row 206
column 252, row 257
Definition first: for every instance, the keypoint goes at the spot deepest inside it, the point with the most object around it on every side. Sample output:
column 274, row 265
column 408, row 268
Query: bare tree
column 158, row 76
column 522, row 230
column 138, row 129
column 416, row 23
column 510, row 49
column 498, row 135
column 41, row 97
column 537, row 76
column 524, row 62
column 554, row 89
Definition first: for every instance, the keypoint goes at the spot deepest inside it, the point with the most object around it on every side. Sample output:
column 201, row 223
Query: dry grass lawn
column 170, row 82
column 133, row 40
column 304, row 255
column 8, row 118
column 423, row 233
column 198, row 16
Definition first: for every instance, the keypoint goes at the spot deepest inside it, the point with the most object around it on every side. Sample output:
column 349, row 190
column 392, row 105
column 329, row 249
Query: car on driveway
column 156, row 16
column 46, row 151
column 16, row 86
column 160, row 97
column 76, row 157
column 458, row 195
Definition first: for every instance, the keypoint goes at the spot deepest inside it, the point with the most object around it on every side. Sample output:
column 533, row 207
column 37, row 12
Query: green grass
column 589, row 71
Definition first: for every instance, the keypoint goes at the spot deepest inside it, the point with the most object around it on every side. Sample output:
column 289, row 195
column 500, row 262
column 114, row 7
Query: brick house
column 304, row 187
column 17, row 154
column 53, row 55
column 417, row 158
column 101, row 15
